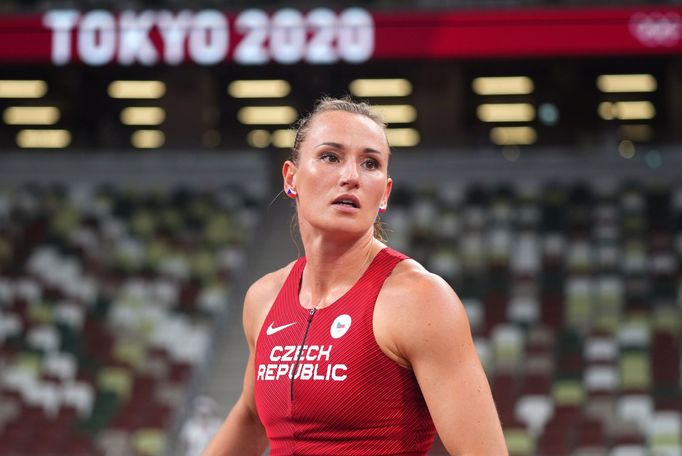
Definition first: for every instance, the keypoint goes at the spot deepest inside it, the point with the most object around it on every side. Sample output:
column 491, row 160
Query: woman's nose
column 350, row 175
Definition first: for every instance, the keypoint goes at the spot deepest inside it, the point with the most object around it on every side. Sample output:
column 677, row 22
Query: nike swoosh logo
column 275, row 329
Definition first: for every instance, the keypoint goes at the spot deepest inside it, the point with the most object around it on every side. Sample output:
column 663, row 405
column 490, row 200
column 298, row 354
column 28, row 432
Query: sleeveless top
column 323, row 385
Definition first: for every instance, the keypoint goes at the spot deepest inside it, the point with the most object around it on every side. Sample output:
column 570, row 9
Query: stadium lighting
column 626, row 110
column 43, row 139
column 396, row 113
column 137, row 89
column 402, row 137
column 283, row 138
column 380, row 87
column 22, row 89
column 506, row 136
column 266, row 88
column 626, row 83
column 31, row 115
column 506, row 85
column 259, row 138
column 267, row 115
column 506, row 112
column 143, row 116
column 148, row 139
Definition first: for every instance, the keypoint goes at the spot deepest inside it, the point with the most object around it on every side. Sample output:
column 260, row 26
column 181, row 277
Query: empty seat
column 634, row 334
column 601, row 378
column 636, row 408
column 635, row 371
column 534, row 411
column 665, row 434
column 508, row 346
column 60, row 365
column 10, row 326
column 149, row 442
column 524, row 310
column 79, row 395
column 568, row 393
column 519, row 442
column 629, row 450
column 600, row 349
column 44, row 338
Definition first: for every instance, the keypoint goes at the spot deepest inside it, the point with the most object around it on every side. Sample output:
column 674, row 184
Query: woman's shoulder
column 412, row 290
column 415, row 306
column 259, row 299
column 411, row 279
column 267, row 287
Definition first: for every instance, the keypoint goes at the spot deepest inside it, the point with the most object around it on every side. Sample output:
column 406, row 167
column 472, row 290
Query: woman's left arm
column 429, row 330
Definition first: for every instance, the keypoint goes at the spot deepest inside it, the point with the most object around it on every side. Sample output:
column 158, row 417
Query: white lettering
column 335, row 376
column 97, row 37
column 325, row 354
column 209, row 37
column 275, row 356
column 356, row 35
column 289, row 355
column 270, row 372
column 310, row 353
column 306, row 371
column 173, row 31
column 134, row 43
column 316, row 376
column 297, row 352
column 288, row 36
column 254, row 25
column 321, row 46
column 282, row 370
column 61, row 22
column 293, row 353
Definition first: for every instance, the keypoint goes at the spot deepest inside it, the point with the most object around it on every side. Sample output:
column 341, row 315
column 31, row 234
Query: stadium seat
column 534, row 411
column 519, row 442
column 637, row 409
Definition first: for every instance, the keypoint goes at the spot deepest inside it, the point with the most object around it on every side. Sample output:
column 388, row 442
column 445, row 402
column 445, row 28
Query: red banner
column 323, row 36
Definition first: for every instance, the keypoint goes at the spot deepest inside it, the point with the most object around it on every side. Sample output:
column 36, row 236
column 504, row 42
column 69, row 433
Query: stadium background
column 537, row 166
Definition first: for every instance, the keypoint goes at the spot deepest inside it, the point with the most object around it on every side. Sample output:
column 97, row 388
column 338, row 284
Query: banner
column 324, row 36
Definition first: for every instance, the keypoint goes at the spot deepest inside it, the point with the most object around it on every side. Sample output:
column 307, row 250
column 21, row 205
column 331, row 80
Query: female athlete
column 354, row 349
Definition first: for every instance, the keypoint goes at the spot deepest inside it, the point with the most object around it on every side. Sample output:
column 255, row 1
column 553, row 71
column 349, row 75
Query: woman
column 355, row 348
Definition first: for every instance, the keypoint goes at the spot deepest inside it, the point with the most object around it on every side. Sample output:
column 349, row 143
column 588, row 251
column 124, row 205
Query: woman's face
column 341, row 177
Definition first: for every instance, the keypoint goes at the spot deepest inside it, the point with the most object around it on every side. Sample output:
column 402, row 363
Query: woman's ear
column 288, row 176
column 387, row 193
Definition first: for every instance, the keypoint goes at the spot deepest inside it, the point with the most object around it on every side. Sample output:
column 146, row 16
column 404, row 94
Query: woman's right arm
column 242, row 433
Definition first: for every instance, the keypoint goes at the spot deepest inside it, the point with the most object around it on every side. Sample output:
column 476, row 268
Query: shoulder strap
column 291, row 286
column 382, row 266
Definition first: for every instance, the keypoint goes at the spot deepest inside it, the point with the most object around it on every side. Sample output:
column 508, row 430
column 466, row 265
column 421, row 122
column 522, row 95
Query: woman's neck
column 333, row 267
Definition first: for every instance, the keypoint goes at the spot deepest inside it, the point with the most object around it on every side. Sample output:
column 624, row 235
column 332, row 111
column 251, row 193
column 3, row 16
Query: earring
column 291, row 193
column 382, row 210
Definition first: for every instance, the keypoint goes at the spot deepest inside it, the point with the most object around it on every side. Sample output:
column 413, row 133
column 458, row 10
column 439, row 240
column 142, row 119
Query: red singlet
column 346, row 397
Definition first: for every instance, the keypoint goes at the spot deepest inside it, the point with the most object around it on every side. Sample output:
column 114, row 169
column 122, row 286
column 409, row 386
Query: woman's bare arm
column 428, row 331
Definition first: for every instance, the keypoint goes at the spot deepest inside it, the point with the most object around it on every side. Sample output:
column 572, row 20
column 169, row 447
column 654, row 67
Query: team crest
column 340, row 326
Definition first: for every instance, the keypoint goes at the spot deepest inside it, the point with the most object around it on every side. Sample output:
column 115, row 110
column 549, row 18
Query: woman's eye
column 371, row 164
column 329, row 157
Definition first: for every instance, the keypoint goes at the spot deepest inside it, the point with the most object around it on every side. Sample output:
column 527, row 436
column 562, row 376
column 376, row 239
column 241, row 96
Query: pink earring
column 382, row 210
column 291, row 193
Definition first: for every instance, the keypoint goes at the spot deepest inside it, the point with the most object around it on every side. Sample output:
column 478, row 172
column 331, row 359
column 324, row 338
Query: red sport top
column 346, row 396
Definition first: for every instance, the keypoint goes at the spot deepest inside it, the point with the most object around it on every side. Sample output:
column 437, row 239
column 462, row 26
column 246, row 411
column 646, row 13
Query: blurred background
column 537, row 164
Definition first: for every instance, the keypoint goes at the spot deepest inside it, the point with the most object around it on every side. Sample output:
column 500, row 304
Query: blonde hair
column 345, row 104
